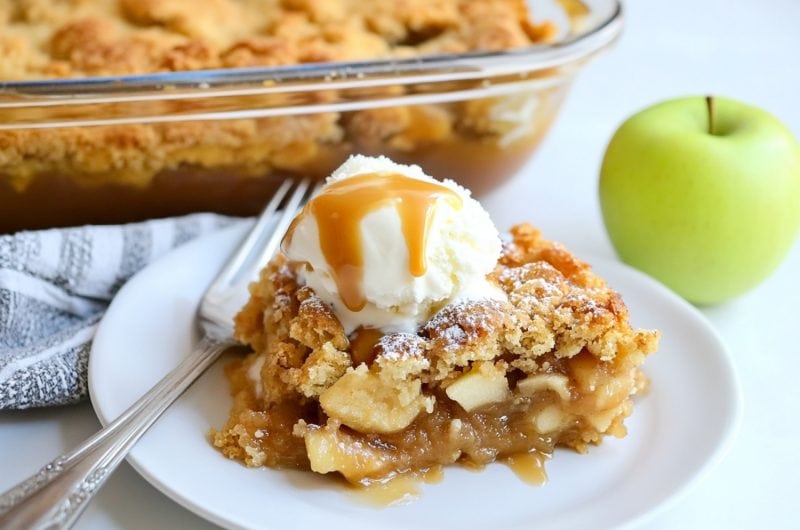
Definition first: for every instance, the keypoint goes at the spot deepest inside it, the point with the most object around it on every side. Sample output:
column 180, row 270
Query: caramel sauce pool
column 396, row 490
column 405, row 487
column 362, row 342
column 529, row 467
column 341, row 207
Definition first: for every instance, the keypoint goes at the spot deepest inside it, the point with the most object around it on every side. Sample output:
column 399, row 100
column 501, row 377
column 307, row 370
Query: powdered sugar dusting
column 464, row 322
column 315, row 304
column 400, row 346
column 453, row 336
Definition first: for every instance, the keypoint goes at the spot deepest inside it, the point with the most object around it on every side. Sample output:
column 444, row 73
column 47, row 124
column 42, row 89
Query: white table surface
column 746, row 50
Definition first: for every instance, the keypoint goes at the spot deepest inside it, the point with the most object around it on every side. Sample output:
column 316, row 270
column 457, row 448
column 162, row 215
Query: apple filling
column 557, row 365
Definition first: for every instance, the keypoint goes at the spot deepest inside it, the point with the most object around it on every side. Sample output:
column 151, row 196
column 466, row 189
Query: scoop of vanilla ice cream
column 463, row 246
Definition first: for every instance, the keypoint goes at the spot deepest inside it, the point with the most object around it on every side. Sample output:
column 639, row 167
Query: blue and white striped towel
column 55, row 286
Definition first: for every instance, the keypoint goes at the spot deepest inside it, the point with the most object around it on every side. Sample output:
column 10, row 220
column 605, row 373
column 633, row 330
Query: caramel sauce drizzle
column 340, row 208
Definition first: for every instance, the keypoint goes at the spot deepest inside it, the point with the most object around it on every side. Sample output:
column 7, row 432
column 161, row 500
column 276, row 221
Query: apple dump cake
column 395, row 333
column 115, row 173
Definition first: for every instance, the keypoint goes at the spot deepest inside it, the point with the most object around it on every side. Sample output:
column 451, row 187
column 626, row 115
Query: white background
column 745, row 50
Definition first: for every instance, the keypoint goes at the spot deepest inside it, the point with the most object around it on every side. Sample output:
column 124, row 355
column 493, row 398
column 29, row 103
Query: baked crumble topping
column 84, row 38
column 556, row 365
column 41, row 39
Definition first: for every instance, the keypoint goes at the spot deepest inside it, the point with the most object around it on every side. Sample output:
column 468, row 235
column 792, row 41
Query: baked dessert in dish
column 147, row 169
column 395, row 333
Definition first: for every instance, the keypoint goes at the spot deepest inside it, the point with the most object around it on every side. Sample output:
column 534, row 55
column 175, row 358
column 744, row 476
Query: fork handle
column 56, row 495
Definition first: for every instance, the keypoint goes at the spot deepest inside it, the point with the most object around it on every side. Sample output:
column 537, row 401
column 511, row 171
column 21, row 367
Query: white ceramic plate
column 676, row 434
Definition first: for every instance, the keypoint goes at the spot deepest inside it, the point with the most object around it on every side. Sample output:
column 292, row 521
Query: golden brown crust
column 76, row 38
column 560, row 350
column 73, row 38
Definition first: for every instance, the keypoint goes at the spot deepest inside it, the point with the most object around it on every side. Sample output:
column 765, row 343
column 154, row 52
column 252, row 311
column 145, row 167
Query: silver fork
column 57, row 495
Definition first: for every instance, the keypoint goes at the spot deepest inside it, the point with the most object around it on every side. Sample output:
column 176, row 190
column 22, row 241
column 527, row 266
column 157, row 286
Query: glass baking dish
column 109, row 150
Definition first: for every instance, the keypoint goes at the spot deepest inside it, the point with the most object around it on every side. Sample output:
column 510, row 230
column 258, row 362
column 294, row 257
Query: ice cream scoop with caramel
column 387, row 246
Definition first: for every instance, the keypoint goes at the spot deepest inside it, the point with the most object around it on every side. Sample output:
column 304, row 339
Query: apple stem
column 710, row 106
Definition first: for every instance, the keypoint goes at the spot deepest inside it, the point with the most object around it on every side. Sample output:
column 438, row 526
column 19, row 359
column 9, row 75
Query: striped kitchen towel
column 55, row 286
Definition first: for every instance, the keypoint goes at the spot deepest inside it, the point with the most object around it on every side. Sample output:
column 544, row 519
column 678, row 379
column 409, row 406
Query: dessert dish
column 117, row 173
column 395, row 334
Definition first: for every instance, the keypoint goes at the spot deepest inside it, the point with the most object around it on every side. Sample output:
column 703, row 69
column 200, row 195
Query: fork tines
column 263, row 240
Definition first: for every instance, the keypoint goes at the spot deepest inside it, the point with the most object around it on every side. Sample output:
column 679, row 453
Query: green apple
column 703, row 194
